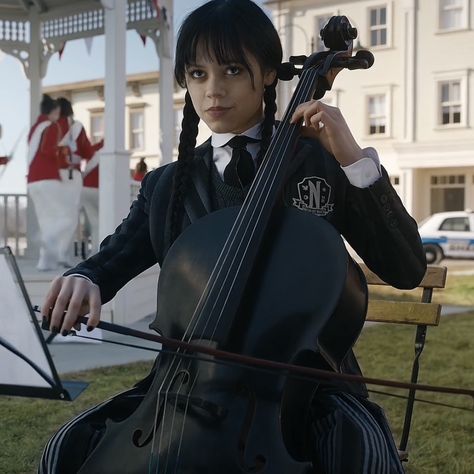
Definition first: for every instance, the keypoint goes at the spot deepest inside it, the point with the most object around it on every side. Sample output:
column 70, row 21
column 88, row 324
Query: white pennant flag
column 88, row 41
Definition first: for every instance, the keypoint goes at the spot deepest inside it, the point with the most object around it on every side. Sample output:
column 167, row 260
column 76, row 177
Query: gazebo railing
column 13, row 222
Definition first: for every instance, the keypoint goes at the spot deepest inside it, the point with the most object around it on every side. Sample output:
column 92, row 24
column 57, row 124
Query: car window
column 455, row 223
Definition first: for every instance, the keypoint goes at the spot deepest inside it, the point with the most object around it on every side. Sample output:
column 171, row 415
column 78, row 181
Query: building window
column 378, row 26
column 137, row 129
column 320, row 23
column 447, row 193
column 377, row 108
column 450, row 102
column 452, row 14
column 97, row 126
column 395, row 180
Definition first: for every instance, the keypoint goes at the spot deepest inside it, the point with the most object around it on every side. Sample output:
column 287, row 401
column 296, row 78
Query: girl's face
column 223, row 94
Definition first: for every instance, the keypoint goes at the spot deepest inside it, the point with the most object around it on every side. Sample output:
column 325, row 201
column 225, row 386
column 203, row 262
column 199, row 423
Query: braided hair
column 228, row 30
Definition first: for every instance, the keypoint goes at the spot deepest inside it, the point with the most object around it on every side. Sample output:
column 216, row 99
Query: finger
column 299, row 112
column 50, row 299
column 76, row 300
column 316, row 121
column 60, row 306
column 95, row 305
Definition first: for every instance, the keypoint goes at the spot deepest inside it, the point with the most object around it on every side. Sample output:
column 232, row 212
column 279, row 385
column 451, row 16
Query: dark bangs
column 227, row 29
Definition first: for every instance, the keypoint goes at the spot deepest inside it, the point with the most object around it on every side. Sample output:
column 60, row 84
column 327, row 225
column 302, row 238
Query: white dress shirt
column 361, row 174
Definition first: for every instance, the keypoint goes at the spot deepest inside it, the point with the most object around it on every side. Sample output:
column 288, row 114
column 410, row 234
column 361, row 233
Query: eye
column 233, row 70
column 196, row 73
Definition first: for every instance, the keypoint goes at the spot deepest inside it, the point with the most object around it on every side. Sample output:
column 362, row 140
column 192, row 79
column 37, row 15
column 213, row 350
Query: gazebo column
column 166, row 85
column 114, row 189
column 35, row 70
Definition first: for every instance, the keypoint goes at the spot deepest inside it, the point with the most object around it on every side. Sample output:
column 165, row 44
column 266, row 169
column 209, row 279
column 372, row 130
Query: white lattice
column 75, row 25
column 140, row 10
column 15, row 31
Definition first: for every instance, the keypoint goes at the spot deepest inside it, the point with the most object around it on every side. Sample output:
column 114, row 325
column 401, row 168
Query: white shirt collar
column 220, row 139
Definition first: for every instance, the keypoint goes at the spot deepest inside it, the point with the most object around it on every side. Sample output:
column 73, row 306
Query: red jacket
column 44, row 153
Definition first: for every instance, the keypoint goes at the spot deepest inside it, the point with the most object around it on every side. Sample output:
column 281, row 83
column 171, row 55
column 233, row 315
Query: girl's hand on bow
column 326, row 124
column 68, row 298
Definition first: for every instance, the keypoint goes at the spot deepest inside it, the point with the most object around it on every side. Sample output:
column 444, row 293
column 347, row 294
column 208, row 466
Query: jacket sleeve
column 128, row 251
column 380, row 230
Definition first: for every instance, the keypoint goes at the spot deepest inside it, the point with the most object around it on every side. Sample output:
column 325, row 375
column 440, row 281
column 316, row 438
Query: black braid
column 187, row 143
column 269, row 98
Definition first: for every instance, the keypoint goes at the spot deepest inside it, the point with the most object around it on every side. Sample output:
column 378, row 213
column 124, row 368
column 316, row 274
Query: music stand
column 26, row 366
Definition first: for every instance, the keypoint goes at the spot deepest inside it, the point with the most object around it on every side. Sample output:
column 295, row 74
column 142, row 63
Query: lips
column 216, row 112
column 217, row 109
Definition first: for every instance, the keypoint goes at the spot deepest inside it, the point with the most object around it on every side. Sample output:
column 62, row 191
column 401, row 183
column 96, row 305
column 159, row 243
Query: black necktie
column 241, row 168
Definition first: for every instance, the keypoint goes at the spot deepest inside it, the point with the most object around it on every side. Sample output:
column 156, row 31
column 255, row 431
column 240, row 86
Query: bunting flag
column 88, row 42
column 61, row 50
column 143, row 38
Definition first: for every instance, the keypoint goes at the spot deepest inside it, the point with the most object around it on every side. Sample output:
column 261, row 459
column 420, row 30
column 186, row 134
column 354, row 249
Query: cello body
column 203, row 417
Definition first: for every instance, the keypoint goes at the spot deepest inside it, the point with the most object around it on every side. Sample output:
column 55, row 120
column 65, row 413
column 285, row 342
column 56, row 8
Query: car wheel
column 433, row 254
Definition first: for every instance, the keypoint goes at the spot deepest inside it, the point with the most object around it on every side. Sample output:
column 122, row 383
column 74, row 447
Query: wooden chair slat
column 435, row 277
column 404, row 312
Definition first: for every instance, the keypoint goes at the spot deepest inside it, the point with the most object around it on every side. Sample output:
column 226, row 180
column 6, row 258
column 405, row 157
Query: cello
column 255, row 284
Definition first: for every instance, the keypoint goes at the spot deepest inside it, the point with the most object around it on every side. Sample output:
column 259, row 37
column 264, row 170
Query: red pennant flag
column 61, row 50
column 143, row 37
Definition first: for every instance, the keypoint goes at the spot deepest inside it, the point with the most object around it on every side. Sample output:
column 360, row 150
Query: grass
column 441, row 439
column 27, row 424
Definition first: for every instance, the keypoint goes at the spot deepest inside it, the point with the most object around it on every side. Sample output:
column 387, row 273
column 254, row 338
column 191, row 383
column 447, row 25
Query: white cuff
column 365, row 171
column 80, row 276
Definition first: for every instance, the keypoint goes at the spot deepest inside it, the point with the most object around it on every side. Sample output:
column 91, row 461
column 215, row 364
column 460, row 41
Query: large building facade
column 415, row 105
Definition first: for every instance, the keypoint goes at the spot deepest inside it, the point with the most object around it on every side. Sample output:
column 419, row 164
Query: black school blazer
column 373, row 220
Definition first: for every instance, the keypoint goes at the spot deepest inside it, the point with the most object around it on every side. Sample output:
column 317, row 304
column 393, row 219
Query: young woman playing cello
column 228, row 58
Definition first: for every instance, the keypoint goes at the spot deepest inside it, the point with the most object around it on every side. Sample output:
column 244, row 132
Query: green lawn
column 442, row 439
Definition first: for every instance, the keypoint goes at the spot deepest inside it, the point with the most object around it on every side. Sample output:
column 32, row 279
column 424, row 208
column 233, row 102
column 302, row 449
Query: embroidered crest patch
column 314, row 194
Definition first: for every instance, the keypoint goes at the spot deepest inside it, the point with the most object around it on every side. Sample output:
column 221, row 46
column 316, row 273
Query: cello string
column 188, row 398
column 173, row 419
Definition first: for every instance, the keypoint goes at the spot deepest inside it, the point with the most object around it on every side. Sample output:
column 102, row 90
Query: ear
column 269, row 77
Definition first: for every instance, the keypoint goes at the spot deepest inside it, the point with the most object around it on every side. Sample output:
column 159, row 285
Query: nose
column 215, row 87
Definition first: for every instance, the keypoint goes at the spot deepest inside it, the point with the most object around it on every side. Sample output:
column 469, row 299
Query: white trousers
column 56, row 206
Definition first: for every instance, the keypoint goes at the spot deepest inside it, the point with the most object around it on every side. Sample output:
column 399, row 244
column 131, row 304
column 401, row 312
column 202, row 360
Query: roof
column 64, row 20
column 22, row 8
column 141, row 78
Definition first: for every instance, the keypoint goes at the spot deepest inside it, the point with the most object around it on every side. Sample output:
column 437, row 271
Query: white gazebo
column 33, row 30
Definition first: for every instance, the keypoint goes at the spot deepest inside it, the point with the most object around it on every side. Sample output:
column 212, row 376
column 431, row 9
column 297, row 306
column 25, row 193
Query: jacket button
column 383, row 198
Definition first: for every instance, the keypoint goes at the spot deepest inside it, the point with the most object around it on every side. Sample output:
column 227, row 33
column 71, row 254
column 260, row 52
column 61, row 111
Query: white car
column 448, row 235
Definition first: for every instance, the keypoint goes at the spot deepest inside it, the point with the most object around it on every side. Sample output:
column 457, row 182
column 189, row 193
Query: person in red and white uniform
column 82, row 149
column 46, row 161
column 73, row 139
